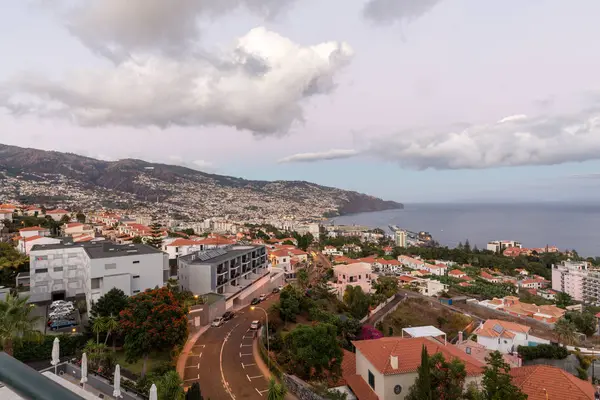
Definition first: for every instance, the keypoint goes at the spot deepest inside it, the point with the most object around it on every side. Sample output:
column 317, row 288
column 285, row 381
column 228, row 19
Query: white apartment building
column 570, row 277
column 400, row 238
column 66, row 271
column 498, row 246
column 332, row 251
column 236, row 272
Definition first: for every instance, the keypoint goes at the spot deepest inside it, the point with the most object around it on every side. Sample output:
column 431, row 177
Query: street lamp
column 252, row 308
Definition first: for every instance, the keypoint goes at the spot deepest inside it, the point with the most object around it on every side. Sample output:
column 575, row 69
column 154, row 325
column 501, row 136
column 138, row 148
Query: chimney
column 394, row 362
column 460, row 337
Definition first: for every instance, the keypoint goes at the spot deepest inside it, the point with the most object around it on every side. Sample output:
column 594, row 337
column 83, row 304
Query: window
column 71, row 255
column 371, row 380
column 468, row 350
column 136, row 262
column 136, row 276
column 110, row 266
column 96, row 283
column 41, row 270
column 41, row 258
column 58, row 269
column 136, row 291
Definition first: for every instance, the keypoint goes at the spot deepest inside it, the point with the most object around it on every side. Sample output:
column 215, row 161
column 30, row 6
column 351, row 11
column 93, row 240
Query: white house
column 386, row 368
column 75, row 229
column 6, row 215
column 411, row 263
column 505, row 336
column 33, row 231
column 26, row 244
column 57, row 214
column 332, row 251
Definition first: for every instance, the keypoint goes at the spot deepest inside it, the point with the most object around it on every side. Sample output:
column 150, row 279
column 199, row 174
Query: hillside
column 65, row 179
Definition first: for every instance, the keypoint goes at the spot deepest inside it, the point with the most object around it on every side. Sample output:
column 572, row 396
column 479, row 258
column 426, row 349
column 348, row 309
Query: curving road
column 222, row 360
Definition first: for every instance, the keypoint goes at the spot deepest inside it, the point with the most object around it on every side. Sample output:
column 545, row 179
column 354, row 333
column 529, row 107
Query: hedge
column 542, row 351
column 42, row 350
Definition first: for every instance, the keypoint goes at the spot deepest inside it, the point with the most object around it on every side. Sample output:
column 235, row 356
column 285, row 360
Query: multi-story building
column 570, row 277
column 70, row 270
column 357, row 274
column 236, row 272
column 498, row 246
column 400, row 238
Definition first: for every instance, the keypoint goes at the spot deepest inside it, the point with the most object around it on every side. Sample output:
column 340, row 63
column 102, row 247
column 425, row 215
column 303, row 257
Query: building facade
column 570, row 277
column 89, row 270
column 400, row 238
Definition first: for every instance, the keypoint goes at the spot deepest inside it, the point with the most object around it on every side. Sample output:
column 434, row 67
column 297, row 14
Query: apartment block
column 89, row 270
column 571, row 277
column 236, row 272
column 498, row 246
column 400, row 238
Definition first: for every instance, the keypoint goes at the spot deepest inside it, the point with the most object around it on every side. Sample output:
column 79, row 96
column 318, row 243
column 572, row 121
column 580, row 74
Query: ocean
column 565, row 225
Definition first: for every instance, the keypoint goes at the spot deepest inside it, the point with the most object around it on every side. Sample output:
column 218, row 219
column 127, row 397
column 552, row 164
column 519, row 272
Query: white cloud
column 390, row 11
column 335, row 154
column 512, row 141
column 260, row 86
column 114, row 28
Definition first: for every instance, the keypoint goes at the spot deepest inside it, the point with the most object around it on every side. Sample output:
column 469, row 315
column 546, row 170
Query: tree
column 421, row 389
column 98, row 327
column 137, row 240
column 358, row 302
column 565, row 331
column 111, row 303
column 276, row 391
column 16, row 321
column 585, row 322
column 156, row 236
column 497, row 382
column 65, row 219
column 563, row 300
column 313, row 350
column 170, row 386
column 111, row 325
column 386, row 286
column 289, row 304
column 194, row 392
column 152, row 320
column 80, row 217
column 302, row 277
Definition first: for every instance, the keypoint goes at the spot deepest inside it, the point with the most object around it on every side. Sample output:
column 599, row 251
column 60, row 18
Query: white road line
column 245, row 345
column 258, row 391
column 262, row 391
column 249, row 354
column 194, row 366
column 248, row 378
column 193, row 379
column 254, row 377
column 199, row 345
column 221, row 364
column 247, row 365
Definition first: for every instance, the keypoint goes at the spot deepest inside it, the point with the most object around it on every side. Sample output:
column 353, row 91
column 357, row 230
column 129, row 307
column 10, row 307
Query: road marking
column 193, row 379
column 248, row 354
column 260, row 392
column 199, row 345
column 245, row 345
column 248, row 337
column 221, row 363
column 254, row 377
column 194, row 366
column 246, row 365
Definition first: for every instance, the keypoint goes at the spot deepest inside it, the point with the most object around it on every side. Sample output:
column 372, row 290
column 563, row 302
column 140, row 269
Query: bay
column 565, row 225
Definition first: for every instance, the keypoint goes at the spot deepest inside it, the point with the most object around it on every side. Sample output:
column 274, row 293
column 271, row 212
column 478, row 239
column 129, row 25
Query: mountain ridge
column 139, row 180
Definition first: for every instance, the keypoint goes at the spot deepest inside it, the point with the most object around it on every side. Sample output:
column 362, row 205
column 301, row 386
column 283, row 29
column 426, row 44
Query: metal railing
column 29, row 383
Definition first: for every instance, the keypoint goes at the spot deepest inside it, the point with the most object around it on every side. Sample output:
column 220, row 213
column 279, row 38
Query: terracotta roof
column 348, row 368
column 32, row 229
column 29, row 239
column 487, row 329
column 360, row 388
column 183, row 242
column 456, row 272
column 485, row 275
column 408, row 350
column 216, row 241
column 537, row 381
column 280, row 253
column 406, row 279
column 59, row 211
column 73, row 225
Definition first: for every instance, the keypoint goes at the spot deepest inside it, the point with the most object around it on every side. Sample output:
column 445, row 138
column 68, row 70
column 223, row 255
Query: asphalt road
column 224, row 355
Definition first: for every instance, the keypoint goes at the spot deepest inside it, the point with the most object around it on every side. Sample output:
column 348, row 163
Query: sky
column 409, row 100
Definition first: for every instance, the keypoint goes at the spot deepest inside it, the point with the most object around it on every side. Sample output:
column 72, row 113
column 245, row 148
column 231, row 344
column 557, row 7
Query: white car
column 60, row 303
column 218, row 322
column 255, row 325
column 262, row 297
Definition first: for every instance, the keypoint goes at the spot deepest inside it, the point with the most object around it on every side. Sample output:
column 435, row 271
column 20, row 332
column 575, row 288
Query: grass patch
column 154, row 360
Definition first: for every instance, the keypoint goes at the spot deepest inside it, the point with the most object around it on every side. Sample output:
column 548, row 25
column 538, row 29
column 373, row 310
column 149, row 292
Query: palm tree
column 16, row 321
column 565, row 331
column 111, row 324
column 170, row 386
column 98, row 326
column 276, row 391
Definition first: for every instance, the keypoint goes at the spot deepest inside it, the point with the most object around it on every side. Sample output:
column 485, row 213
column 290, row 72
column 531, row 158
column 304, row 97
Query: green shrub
column 542, row 351
column 42, row 350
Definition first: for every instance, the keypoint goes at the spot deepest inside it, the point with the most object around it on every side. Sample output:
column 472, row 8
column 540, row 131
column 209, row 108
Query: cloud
column 512, row 141
column 260, row 85
column 326, row 155
column 391, row 11
column 115, row 28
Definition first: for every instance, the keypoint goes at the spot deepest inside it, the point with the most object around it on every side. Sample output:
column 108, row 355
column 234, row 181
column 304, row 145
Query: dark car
column 276, row 290
column 255, row 301
column 228, row 315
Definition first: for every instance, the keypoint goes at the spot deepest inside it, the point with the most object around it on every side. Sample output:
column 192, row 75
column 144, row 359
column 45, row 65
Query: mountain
column 70, row 180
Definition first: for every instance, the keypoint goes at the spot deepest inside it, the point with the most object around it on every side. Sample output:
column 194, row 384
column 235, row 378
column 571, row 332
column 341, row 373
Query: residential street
column 222, row 362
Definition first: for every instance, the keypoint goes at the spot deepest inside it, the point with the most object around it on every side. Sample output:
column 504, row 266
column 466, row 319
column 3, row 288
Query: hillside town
column 381, row 304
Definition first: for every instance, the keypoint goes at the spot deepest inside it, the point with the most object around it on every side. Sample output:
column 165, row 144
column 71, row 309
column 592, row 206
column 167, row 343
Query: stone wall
column 301, row 389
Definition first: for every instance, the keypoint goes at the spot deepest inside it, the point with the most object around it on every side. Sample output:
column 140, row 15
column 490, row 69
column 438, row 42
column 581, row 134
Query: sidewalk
column 264, row 369
column 187, row 348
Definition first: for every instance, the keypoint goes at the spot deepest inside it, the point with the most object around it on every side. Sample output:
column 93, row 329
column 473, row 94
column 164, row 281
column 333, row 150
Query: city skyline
column 448, row 100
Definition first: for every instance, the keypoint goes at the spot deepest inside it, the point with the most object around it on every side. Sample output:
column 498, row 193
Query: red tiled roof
column 73, row 225
column 487, row 329
column 408, row 350
column 456, row 272
column 406, row 279
column 183, row 242
column 348, row 368
column 59, row 211
column 32, row 229
column 545, row 382
column 29, row 239
column 360, row 388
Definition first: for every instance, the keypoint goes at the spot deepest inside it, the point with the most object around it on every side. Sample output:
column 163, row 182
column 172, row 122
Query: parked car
column 255, row 325
column 255, row 301
column 276, row 290
column 218, row 322
column 62, row 323
column 262, row 297
column 228, row 315
column 60, row 314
